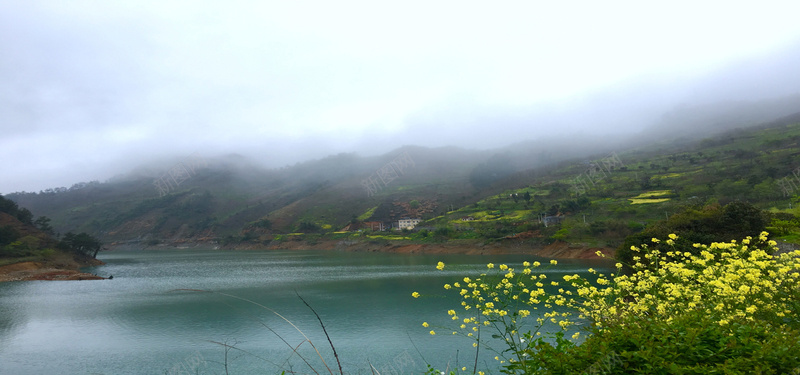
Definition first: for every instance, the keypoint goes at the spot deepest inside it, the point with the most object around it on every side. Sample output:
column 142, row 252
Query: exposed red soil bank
column 558, row 250
column 25, row 271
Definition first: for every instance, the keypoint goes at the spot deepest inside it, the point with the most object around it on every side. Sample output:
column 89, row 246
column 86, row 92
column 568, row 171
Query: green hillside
column 23, row 239
column 650, row 183
column 226, row 196
column 594, row 195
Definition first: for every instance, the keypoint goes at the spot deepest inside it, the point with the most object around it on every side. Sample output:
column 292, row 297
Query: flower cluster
column 729, row 281
column 727, row 284
column 501, row 300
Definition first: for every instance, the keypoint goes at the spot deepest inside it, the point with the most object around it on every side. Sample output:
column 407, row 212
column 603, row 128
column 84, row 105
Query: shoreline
column 46, row 270
column 67, row 268
column 556, row 250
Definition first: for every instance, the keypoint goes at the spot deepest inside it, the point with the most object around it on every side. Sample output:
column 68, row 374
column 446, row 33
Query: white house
column 407, row 223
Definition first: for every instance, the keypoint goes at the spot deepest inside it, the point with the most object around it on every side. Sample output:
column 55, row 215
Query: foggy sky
column 91, row 89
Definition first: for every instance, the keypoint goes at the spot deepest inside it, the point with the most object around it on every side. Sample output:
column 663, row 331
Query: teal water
column 145, row 322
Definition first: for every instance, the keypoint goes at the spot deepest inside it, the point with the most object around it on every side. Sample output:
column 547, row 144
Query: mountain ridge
column 233, row 199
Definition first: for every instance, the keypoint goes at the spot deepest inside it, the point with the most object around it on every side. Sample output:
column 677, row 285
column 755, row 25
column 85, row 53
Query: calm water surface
column 145, row 322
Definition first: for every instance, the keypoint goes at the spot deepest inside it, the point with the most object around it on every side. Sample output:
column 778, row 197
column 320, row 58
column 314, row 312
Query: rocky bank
column 59, row 269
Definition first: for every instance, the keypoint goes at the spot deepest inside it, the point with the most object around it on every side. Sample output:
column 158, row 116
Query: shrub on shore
column 727, row 308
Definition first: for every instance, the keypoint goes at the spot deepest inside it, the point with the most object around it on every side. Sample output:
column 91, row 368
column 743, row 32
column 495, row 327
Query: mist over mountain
column 198, row 199
column 97, row 89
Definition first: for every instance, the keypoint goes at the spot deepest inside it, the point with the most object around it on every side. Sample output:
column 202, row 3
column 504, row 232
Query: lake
column 208, row 311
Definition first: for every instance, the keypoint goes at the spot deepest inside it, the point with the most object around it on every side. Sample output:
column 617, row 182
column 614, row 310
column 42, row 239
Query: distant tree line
column 701, row 224
column 58, row 190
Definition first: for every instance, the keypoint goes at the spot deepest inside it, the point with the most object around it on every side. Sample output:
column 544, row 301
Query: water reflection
column 142, row 322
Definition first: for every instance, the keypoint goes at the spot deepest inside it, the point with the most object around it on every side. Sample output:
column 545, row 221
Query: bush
column 560, row 235
column 8, row 235
column 443, row 232
column 733, row 308
column 700, row 225
column 727, row 308
column 21, row 247
column 500, row 301
column 308, row 227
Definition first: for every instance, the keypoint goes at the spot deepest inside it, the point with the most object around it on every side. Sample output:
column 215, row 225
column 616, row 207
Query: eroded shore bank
column 64, row 268
column 69, row 269
column 556, row 250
